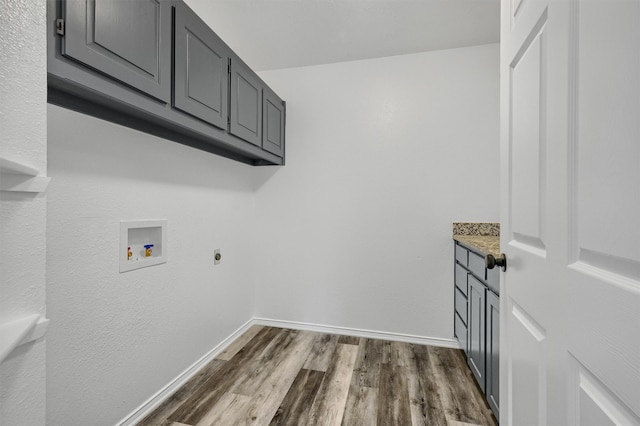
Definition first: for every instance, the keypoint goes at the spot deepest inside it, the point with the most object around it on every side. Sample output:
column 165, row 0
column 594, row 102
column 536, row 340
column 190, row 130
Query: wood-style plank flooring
column 274, row 376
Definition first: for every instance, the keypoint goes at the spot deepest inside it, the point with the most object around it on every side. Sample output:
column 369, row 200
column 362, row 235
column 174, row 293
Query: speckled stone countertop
column 481, row 236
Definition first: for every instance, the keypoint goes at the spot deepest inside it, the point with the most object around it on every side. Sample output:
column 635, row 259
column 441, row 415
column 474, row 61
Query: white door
column 570, row 212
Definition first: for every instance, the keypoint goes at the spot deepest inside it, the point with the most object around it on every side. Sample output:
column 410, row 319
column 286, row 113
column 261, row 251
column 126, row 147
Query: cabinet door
column 273, row 114
column 476, row 324
column 129, row 41
column 493, row 352
column 246, row 104
column 201, row 83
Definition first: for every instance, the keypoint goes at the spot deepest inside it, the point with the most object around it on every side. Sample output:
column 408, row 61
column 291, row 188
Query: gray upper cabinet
column 201, row 82
column 246, row 104
column 273, row 114
column 129, row 41
column 155, row 66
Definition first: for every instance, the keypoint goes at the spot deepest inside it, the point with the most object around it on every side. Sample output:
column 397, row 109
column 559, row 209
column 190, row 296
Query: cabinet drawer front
column 461, row 279
column 461, row 255
column 476, row 265
column 461, row 305
column 493, row 279
column 460, row 331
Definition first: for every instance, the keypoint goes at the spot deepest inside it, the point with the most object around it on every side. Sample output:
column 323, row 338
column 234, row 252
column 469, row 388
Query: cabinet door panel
column 493, row 352
column 200, row 70
column 246, row 104
column 125, row 40
column 273, row 110
column 476, row 324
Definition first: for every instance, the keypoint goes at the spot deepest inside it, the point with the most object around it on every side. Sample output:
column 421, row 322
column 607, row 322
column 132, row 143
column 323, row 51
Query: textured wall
column 23, row 138
column 382, row 156
column 117, row 338
column 355, row 231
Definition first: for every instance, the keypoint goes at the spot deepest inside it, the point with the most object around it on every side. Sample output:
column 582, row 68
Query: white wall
column 355, row 231
column 117, row 338
column 23, row 138
column 382, row 156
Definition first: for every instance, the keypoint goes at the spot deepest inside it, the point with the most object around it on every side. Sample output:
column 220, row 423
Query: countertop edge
column 482, row 244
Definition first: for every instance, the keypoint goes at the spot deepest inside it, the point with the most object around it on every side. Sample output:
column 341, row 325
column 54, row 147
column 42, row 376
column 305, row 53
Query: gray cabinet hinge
column 60, row 27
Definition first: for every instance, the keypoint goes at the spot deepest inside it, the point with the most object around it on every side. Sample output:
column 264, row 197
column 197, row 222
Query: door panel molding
column 527, row 141
column 593, row 402
column 603, row 148
column 528, row 371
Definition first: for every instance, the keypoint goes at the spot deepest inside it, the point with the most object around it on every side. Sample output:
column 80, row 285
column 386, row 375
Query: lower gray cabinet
column 493, row 352
column 477, row 321
column 476, row 326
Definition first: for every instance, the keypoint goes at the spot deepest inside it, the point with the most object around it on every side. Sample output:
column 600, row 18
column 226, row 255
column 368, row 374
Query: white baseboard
column 371, row 334
column 152, row 403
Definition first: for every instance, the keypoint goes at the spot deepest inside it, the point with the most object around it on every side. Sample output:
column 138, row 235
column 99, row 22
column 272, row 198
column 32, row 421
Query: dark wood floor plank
column 225, row 411
column 265, row 379
column 262, row 367
column 393, row 396
column 239, row 343
column 361, row 408
column 367, row 367
column 424, row 398
column 296, row 405
column 200, row 402
column 462, row 400
column 393, row 353
column 322, row 352
column 161, row 414
column 270, row 386
column 329, row 404
column 272, row 391
column 349, row 340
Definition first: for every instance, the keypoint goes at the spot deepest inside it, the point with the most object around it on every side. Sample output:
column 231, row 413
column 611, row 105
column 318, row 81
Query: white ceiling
column 273, row 34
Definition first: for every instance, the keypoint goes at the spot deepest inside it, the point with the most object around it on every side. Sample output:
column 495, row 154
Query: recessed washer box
column 142, row 243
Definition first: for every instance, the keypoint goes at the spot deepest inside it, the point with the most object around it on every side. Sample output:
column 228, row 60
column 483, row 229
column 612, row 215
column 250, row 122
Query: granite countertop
column 481, row 236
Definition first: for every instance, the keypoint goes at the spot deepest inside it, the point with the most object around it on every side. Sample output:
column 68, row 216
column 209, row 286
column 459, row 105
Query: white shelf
column 17, row 332
column 18, row 177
